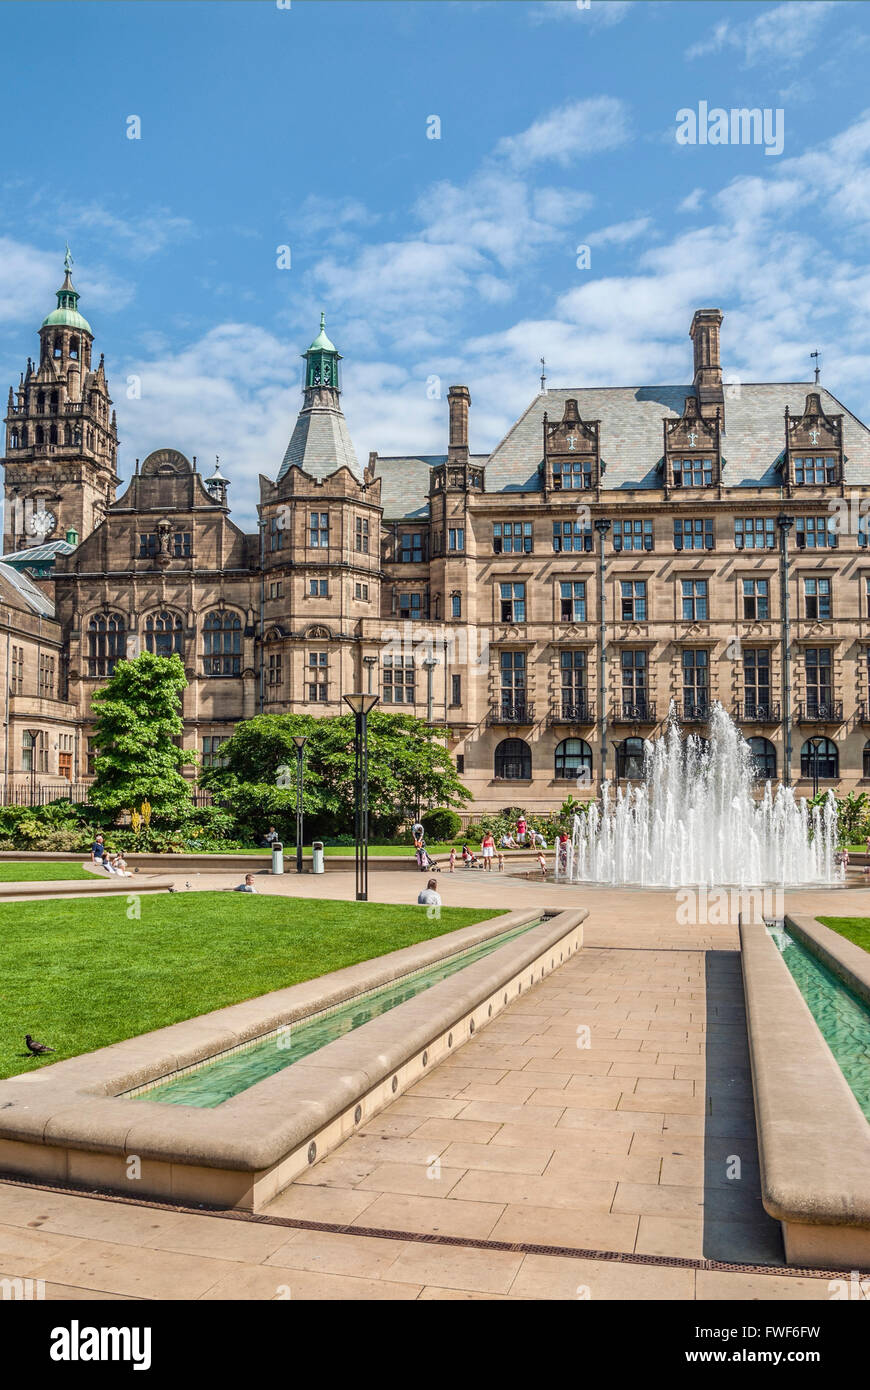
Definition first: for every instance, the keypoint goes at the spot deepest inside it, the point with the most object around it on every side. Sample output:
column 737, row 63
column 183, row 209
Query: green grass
column 80, row 975
column 855, row 929
column 35, row 871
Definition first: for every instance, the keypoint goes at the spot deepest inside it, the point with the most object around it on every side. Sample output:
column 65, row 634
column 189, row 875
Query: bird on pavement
column 37, row 1048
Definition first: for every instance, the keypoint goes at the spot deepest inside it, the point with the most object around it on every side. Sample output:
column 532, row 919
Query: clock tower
column 61, row 434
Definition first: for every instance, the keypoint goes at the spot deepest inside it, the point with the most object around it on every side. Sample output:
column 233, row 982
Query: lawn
column 35, row 871
column 79, row 975
column 855, row 929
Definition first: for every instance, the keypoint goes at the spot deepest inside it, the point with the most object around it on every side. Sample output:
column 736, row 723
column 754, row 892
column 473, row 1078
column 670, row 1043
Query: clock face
column 41, row 523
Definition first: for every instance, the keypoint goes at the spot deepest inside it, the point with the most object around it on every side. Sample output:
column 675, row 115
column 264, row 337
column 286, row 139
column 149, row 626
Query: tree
column 408, row 767
column 138, row 718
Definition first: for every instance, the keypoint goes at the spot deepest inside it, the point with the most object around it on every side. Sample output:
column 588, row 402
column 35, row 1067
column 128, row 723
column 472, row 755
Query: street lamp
column 815, row 745
column 370, row 662
column 361, row 704
column 34, row 740
column 300, row 740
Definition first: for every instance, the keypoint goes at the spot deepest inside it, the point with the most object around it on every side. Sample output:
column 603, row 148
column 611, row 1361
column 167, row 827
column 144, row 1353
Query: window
column 694, row 599
column 460, row 763
column 820, row 758
column 222, row 644
column 572, row 535
column 573, row 760
column 210, row 746
column 318, row 676
column 572, row 669
column 763, row 756
column 318, row 530
column 754, row 533
column 634, row 667
column 361, row 538
column 693, row 533
column 632, row 535
column 90, row 756
column 512, row 668
column 756, row 681
column 813, row 533
column 106, row 643
column 318, row 588
column 411, row 548
column 817, row 597
column 398, row 677
column 411, row 606
column 513, row 603
column 182, row 544
column 276, row 588
column 629, row 760
column 34, row 759
column 633, row 600
column 756, row 598
column 456, row 605
column 572, row 473
column 456, row 690
column 46, row 676
column 17, row 673
column 163, row 634
column 148, row 544
column 513, row 761
column 276, row 532
column 456, row 538
column 512, row 537
column 693, row 472
column 361, row 591
column 815, row 470
column 866, row 760
column 276, row 673
column 819, row 680
column 696, row 683
column 573, row 601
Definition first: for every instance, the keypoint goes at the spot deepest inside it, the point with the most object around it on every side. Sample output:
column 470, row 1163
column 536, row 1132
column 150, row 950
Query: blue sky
column 455, row 258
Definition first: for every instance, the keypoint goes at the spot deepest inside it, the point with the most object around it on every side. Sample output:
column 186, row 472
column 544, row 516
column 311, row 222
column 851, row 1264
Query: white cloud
column 620, row 233
column 599, row 14
column 29, row 278
column 144, row 234
column 578, row 128
column 692, row 202
column 782, row 34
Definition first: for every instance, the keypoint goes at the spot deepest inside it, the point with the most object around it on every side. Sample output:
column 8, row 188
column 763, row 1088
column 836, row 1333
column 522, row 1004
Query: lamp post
column 370, row 662
column 300, row 740
column 361, row 704
column 815, row 744
column 34, row 741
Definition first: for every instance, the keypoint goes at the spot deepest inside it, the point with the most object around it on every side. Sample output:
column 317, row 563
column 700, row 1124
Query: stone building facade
column 621, row 552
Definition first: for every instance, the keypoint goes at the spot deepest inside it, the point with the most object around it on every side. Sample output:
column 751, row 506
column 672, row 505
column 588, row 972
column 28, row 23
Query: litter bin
column 277, row 857
column 317, row 857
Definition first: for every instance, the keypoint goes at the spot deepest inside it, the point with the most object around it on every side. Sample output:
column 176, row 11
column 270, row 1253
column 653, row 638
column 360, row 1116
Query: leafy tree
column 407, row 768
column 138, row 717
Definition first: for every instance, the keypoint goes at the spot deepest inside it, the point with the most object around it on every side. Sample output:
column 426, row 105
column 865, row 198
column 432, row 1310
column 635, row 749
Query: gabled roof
column 32, row 597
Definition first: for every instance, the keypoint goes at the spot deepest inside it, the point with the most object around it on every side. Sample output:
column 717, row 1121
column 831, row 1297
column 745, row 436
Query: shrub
column 441, row 824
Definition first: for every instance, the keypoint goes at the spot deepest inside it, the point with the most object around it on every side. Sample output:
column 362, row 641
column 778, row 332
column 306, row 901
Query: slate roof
column 631, row 441
column 47, row 551
column 320, row 443
column 33, row 597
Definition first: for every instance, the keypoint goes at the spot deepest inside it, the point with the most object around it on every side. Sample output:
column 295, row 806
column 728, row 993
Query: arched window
column 40, row 401
column 573, row 760
column 513, row 760
column 38, row 435
column 822, row 760
column 867, row 758
column 163, row 634
column 629, row 760
column 763, row 759
column 106, row 643
column 222, row 644
column 74, row 349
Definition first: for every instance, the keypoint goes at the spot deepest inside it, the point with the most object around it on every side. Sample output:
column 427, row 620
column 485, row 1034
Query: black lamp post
column 34, row 743
column 361, row 704
column 815, row 744
column 300, row 740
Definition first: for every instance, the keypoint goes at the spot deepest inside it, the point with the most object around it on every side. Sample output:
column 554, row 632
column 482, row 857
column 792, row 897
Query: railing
column 693, row 714
column 563, row 712
column 821, row 712
column 641, row 712
column 864, row 713
column 25, row 794
column 755, row 712
column 517, row 712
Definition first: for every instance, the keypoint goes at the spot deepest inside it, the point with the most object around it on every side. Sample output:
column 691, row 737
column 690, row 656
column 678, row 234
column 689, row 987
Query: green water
column 213, row 1082
column 844, row 1021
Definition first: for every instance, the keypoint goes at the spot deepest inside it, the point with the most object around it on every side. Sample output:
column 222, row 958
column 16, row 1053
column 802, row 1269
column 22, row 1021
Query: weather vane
column 818, row 357
column 543, row 376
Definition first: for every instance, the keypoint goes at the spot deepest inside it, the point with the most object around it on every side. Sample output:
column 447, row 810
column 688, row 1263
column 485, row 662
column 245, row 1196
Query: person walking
column 500, row 862
column 429, row 896
column 487, row 849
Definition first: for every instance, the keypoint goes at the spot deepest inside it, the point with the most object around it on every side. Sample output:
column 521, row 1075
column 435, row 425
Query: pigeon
column 170, row 889
column 187, row 885
column 37, row 1048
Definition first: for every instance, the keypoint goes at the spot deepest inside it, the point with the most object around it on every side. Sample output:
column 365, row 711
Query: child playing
column 500, row 862
column 452, row 858
column 542, row 860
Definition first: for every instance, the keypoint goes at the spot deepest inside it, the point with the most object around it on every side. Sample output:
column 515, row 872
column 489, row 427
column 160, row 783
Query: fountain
column 696, row 819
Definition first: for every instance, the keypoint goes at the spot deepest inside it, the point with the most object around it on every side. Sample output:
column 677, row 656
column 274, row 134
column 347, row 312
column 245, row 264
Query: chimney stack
column 704, row 334
column 459, row 402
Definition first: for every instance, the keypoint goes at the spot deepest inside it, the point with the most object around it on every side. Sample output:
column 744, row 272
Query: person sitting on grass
column 429, row 896
column 246, row 887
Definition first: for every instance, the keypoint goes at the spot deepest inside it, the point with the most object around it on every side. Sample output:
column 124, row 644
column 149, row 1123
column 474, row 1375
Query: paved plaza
column 607, row 1111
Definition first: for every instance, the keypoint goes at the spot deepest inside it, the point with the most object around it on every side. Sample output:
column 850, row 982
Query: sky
column 428, row 173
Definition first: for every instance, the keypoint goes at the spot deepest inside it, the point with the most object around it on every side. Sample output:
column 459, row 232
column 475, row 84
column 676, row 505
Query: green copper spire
column 66, row 315
column 322, row 360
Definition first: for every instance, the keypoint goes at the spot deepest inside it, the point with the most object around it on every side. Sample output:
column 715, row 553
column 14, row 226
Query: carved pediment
column 570, row 435
column 814, row 429
column 692, row 430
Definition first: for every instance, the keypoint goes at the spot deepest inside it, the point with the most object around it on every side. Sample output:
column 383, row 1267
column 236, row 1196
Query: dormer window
column 813, row 447
column 693, row 472
column 692, row 456
column 571, row 473
column 814, row 470
column 571, row 457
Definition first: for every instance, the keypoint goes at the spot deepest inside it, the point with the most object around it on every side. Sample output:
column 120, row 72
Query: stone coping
column 76, row 1104
column 850, row 963
column 813, row 1139
column 83, row 887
